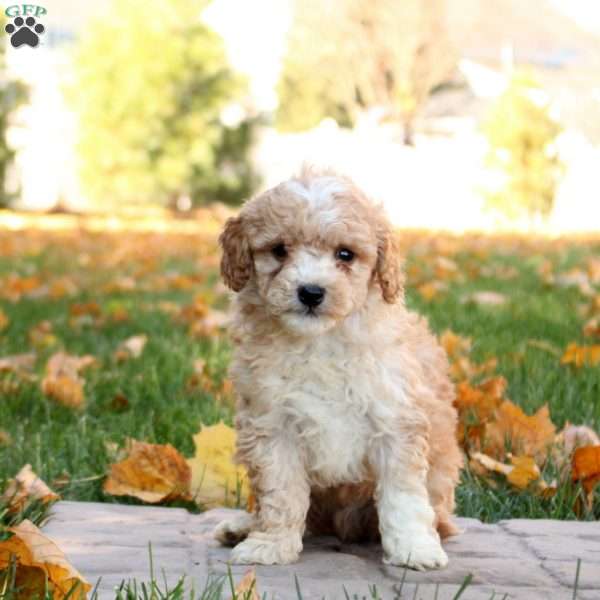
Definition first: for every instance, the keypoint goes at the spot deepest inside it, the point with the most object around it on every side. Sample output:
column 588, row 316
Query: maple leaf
column 529, row 435
column 581, row 355
column 26, row 486
column 151, row 472
column 40, row 562
column 216, row 479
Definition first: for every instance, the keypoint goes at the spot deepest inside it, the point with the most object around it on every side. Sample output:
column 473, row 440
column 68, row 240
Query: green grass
column 161, row 408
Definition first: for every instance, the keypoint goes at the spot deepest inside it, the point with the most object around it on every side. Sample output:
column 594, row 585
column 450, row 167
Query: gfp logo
column 24, row 28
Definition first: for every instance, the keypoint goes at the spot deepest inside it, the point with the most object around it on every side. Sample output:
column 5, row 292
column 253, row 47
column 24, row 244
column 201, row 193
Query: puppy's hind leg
column 235, row 529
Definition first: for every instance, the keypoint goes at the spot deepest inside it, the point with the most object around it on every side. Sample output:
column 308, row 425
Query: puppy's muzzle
column 311, row 295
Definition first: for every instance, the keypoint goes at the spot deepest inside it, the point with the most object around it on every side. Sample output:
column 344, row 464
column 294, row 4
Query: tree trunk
column 409, row 133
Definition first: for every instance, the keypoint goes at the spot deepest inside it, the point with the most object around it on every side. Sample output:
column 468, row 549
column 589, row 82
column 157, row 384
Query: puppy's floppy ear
column 237, row 265
column 388, row 268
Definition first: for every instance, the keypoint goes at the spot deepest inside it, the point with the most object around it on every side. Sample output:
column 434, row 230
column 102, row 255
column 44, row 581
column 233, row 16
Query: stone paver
column 527, row 560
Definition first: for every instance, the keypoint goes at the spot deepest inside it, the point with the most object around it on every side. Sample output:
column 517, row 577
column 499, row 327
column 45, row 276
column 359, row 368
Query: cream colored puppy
column 344, row 418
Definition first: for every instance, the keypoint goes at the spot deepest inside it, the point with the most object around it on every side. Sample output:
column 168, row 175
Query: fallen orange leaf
column 64, row 390
column 62, row 382
column 454, row 344
column 586, row 465
column 586, row 468
column 520, row 473
column 581, row 355
column 151, row 472
column 39, row 561
column 24, row 487
column 530, row 435
column 3, row 320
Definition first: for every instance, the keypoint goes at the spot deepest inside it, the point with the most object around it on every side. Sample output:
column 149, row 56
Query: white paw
column 268, row 549
column 420, row 550
column 234, row 530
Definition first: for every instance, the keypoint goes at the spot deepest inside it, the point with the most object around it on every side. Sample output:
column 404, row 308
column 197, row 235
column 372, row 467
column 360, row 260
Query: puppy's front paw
column 268, row 549
column 234, row 530
column 420, row 550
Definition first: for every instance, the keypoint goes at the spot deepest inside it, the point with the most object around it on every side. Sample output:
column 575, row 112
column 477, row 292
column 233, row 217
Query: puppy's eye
column 279, row 251
column 344, row 255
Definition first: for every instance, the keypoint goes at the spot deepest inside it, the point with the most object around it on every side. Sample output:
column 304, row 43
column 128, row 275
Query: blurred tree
column 522, row 148
column 150, row 87
column 348, row 55
column 12, row 94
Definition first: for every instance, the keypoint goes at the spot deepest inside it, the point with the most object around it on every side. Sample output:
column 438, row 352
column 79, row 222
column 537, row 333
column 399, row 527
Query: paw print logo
column 24, row 31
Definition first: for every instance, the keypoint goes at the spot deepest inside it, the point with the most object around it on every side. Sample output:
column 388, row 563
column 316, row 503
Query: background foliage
column 346, row 56
column 150, row 87
column 12, row 94
column 522, row 134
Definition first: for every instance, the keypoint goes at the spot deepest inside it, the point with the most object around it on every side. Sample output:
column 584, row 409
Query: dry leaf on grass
column 575, row 436
column 520, row 473
column 216, row 479
column 3, row 320
column 38, row 560
column 5, row 438
column 151, row 472
column 64, row 390
column 24, row 487
column 455, row 345
column 586, row 466
column 131, row 347
column 529, row 435
column 246, row 588
column 586, row 469
column 42, row 335
column 592, row 328
column 476, row 406
column 62, row 382
column 581, row 355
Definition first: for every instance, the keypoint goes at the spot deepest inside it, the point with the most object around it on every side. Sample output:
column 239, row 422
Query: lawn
column 86, row 289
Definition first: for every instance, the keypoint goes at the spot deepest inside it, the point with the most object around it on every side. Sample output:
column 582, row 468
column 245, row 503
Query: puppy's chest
column 325, row 397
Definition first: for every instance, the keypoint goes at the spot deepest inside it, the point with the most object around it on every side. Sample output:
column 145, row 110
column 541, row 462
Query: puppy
column 344, row 417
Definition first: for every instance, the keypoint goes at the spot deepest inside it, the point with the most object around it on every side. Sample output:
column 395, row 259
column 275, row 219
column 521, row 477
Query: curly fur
column 345, row 419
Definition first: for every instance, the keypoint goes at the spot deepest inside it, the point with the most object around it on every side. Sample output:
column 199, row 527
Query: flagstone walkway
column 522, row 559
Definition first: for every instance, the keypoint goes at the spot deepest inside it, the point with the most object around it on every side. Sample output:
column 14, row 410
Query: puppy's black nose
column 311, row 295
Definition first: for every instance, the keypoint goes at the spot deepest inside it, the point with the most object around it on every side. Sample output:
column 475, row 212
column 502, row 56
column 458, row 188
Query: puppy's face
column 311, row 248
